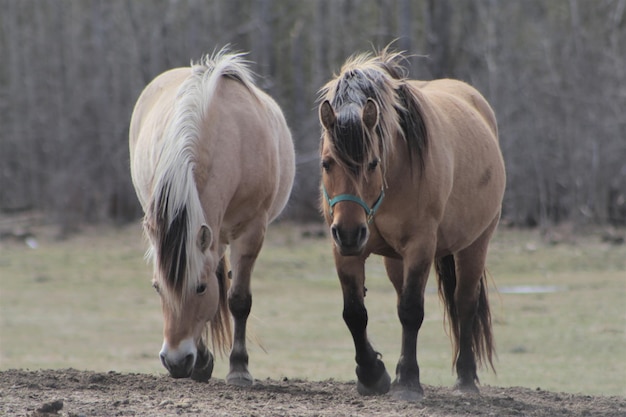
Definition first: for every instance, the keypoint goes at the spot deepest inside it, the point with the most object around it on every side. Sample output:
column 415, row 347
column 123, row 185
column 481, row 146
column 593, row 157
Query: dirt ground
column 78, row 393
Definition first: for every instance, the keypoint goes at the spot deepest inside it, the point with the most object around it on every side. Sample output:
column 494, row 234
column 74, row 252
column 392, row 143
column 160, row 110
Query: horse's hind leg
column 372, row 376
column 473, row 327
column 244, row 251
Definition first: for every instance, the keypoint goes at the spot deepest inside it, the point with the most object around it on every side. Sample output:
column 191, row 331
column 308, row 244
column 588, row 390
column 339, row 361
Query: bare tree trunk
column 438, row 37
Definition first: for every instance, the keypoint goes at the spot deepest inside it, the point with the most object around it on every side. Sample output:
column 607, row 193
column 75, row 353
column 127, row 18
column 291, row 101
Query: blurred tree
column 71, row 71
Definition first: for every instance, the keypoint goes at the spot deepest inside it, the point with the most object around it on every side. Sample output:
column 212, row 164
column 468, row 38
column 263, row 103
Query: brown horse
column 411, row 171
column 212, row 163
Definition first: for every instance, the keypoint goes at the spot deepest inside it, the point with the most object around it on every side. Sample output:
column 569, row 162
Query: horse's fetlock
column 368, row 375
column 239, row 357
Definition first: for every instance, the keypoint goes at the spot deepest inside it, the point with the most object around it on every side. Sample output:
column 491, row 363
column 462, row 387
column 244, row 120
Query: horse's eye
column 201, row 289
column 325, row 165
column 372, row 165
column 155, row 285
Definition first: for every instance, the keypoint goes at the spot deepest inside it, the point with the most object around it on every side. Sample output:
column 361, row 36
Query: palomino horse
column 212, row 163
column 411, row 171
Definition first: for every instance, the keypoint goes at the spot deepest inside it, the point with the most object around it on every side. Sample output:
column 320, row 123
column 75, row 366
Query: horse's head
column 185, row 278
column 366, row 110
column 352, row 176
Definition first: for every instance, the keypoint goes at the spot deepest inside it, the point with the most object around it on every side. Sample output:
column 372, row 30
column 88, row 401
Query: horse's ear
column 327, row 115
column 370, row 114
column 205, row 237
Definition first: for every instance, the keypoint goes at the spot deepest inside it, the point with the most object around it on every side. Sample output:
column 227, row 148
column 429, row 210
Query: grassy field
column 86, row 303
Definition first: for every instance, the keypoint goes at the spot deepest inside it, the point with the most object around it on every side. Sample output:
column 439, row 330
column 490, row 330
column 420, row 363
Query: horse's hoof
column 240, row 379
column 408, row 394
column 204, row 369
column 465, row 388
column 378, row 388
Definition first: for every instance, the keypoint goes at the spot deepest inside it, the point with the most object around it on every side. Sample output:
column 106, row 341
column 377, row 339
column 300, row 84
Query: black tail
column 482, row 337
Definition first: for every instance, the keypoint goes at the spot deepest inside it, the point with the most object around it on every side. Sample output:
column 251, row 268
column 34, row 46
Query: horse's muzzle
column 179, row 361
column 350, row 242
column 180, row 369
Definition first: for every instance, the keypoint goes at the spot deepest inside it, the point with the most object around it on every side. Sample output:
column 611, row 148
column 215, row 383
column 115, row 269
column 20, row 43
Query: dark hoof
column 240, row 379
column 378, row 388
column 465, row 388
column 204, row 367
column 407, row 393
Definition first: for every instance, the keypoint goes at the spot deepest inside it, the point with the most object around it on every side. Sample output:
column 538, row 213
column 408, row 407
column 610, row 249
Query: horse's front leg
column 371, row 373
column 244, row 251
column 409, row 281
column 203, row 368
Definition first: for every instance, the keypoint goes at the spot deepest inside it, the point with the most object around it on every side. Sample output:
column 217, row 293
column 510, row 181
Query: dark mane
column 351, row 140
column 381, row 78
column 171, row 238
column 412, row 124
column 356, row 86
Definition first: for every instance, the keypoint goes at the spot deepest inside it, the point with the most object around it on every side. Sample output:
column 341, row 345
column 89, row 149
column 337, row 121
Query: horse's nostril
column 362, row 233
column 164, row 361
column 334, row 230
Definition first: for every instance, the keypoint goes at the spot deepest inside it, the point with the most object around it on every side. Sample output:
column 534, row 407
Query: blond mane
column 175, row 213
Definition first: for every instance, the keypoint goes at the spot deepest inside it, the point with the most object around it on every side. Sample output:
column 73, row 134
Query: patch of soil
column 75, row 393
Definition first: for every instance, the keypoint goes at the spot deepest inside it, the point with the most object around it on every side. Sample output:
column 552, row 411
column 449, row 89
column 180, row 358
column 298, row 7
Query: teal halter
column 355, row 199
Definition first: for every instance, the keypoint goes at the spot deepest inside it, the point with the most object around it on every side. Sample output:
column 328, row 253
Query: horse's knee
column 411, row 296
column 240, row 304
column 411, row 311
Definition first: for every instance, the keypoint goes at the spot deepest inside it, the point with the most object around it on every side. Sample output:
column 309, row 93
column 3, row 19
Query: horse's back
column 449, row 93
column 286, row 164
column 256, row 153
column 244, row 156
column 462, row 119
column 464, row 133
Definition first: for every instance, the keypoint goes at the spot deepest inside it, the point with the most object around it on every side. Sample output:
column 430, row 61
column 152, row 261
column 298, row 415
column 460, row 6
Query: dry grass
column 87, row 303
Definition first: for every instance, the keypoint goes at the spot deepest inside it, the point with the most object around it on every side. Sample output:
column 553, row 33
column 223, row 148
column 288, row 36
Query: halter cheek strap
column 370, row 212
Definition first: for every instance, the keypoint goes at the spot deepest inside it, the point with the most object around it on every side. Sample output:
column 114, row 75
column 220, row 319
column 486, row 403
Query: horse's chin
column 180, row 372
column 350, row 251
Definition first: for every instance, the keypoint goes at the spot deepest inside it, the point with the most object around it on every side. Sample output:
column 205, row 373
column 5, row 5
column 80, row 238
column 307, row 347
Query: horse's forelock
column 171, row 227
column 172, row 252
column 362, row 78
column 382, row 78
column 349, row 140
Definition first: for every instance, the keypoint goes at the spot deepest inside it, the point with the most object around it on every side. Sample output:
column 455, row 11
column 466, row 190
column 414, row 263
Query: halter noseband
column 370, row 212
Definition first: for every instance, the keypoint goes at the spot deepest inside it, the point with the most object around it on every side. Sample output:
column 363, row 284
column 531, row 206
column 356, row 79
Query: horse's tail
column 220, row 326
column 482, row 337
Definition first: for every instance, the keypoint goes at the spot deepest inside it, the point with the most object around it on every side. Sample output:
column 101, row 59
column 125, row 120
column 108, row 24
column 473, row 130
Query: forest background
column 555, row 73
